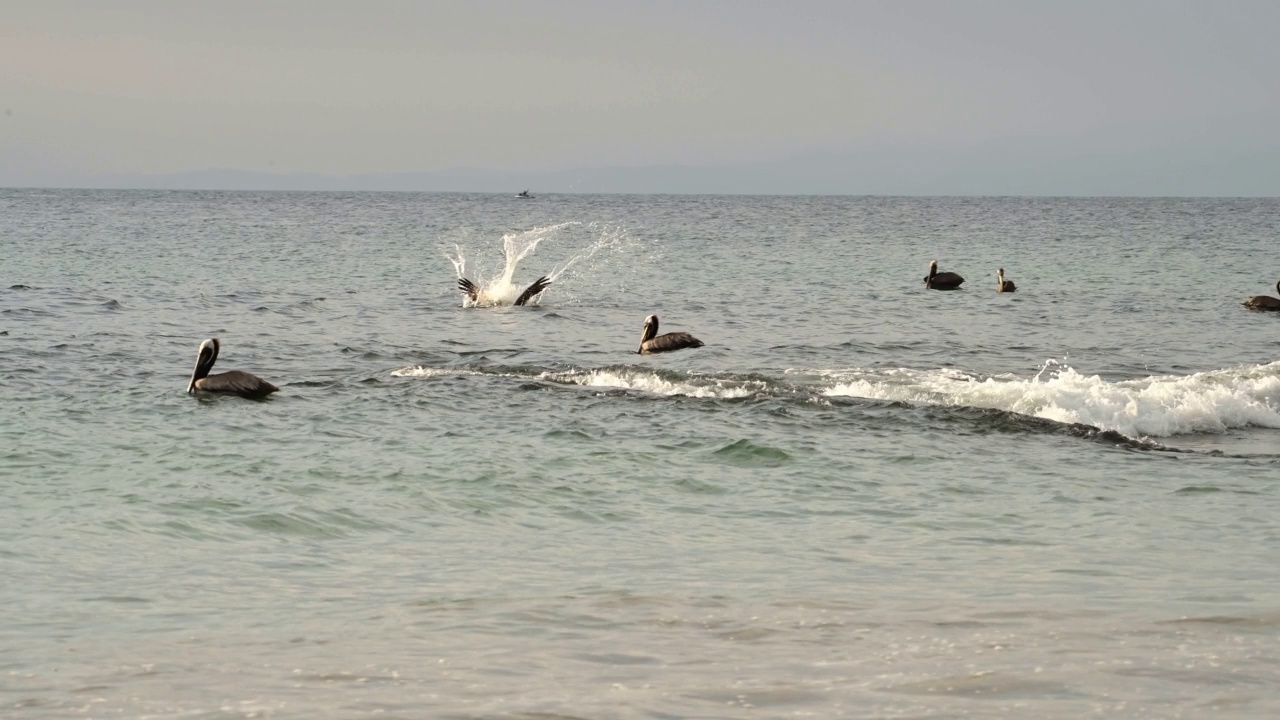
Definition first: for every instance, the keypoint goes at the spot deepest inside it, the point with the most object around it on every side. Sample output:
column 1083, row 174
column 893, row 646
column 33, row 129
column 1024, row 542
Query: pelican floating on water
column 1003, row 285
column 232, row 382
column 477, row 295
column 1264, row 302
column 941, row 280
column 665, row 342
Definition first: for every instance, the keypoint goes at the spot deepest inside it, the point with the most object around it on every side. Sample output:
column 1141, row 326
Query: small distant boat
column 525, row 194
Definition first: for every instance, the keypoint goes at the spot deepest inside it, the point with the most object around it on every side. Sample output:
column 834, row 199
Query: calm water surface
column 859, row 499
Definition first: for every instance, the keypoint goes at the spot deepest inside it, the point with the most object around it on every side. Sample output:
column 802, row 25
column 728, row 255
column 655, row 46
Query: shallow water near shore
column 861, row 498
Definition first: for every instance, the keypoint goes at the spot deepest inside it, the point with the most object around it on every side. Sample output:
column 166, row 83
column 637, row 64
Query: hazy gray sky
column 90, row 88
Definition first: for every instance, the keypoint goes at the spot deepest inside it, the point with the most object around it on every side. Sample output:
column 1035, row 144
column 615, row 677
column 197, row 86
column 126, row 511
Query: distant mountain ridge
column 1008, row 168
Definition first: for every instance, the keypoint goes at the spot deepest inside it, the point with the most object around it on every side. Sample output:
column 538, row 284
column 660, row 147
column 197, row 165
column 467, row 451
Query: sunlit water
column 859, row 499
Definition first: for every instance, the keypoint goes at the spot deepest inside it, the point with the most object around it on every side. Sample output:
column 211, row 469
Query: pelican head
column 933, row 270
column 649, row 331
column 205, row 358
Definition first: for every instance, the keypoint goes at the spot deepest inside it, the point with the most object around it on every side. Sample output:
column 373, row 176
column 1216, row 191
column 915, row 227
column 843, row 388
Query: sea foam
column 1155, row 406
column 647, row 381
column 619, row 377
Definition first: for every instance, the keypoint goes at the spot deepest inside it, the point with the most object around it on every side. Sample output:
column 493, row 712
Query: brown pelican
column 1003, row 285
column 941, row 280
column 666, row 342
column 475, row 293
column 1264, row 302
column 233, row 382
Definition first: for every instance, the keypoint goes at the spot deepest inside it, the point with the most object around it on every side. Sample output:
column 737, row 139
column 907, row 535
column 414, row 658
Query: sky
column 962, row 97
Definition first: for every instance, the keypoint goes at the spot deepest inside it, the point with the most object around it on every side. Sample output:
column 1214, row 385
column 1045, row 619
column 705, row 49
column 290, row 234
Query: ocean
column 859, row 499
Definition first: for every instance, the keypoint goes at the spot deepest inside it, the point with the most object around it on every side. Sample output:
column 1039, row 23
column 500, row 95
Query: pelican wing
column 669, row 342
column 533, row 290
column 945, row 281
column 236, row 382
column 469, row 288
column 1262, row 302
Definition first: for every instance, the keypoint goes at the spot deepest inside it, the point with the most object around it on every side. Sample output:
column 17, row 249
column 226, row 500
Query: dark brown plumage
column 941, row 280
column 1264, row 302
column 533, row 290
column 1003, row 285
column 651, row 342
column 234, row 382
column 469, row 288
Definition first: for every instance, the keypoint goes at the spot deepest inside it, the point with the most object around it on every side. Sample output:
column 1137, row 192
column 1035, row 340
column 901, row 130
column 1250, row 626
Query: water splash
column 500, row 288
column 611, row 237
column 1155, row 406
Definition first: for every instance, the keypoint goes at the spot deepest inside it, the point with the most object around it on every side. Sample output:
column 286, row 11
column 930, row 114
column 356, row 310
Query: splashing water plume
column 501, row 290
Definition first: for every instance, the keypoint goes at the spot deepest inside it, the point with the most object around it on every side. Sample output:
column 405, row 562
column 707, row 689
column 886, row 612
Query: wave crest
column 1155, row 406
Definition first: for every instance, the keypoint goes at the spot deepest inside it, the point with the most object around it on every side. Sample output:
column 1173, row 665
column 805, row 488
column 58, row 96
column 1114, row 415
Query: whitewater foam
column 1155, row 406
column 420, row 371
column 692, row 385
column 622, row 378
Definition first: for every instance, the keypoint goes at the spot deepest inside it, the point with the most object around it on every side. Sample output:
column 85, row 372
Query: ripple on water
column 311, row 524
column 986, row 685
column 745, row 453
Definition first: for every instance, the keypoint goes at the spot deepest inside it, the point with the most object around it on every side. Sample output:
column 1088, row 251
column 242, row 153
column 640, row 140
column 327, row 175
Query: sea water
column 860, row 498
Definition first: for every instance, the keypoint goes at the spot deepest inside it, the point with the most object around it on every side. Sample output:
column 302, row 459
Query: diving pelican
column 476, row 294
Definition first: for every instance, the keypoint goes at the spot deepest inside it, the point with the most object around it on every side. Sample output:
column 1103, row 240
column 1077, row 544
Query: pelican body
column 1264, row 302
column 474, row 292
column 652, row 342
column 941, row 280
column 233, row 382
column 1003, row 285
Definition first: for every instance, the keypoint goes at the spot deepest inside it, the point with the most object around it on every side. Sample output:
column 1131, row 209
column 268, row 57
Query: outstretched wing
column 469, row 288
column 533, row 290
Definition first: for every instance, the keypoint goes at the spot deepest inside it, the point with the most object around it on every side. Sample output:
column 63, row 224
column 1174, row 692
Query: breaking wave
column 1155, row 406
column 622, row 377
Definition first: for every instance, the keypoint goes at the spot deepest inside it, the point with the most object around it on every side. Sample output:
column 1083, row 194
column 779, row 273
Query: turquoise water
column 859, row 499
